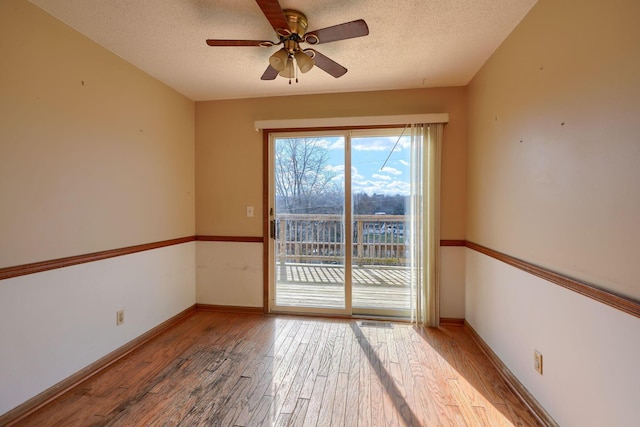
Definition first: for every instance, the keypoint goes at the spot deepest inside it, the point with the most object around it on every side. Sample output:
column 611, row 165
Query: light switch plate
column 537, row 361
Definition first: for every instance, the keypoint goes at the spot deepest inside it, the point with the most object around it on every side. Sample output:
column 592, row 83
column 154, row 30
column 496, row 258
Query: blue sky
column 367, row 157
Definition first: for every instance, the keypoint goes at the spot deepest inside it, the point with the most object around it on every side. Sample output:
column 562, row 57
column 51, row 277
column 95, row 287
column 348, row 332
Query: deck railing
column 377, row 239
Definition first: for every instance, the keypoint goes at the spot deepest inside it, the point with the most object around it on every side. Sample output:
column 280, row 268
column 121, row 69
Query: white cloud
column 381, row 144
column 378, row 186
column 337, row 145
column 383, row 177
column 366, row 176
column 334, row 168
column 369, row 146
column 392, row 171
column 405, row 143
column 322, row 143
column 355, row 172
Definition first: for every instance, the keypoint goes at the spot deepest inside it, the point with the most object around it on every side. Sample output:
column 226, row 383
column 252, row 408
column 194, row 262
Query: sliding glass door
column 338, row 222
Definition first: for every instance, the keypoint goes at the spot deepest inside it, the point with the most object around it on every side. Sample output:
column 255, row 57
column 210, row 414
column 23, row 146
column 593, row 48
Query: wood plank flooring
column 249, row 370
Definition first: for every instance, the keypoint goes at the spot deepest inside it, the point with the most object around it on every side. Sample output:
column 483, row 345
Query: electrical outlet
column 537, row 361
column 119, row 317
column 249, row 211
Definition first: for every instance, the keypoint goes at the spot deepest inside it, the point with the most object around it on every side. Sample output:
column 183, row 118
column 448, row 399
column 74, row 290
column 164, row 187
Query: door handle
column 272, row 227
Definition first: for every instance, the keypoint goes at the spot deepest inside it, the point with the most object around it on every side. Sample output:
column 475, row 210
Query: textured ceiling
column 411, row 43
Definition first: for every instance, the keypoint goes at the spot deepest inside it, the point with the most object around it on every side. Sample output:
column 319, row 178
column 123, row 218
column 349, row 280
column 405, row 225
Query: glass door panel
column 308, row 225
column 380, row 187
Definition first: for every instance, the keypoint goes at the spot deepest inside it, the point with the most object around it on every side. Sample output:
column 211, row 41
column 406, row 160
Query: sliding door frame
column 267, row 215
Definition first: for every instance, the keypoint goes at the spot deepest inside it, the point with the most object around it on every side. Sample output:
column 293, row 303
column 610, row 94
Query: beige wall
column 554, row 151
column 553, row 179
column 94, row 153
column 229, row 177
column 229, row 150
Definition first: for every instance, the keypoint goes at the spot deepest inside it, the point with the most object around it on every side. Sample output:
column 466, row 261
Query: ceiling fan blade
column 348, row 30
column 264, row 43
column 274, row 14
column 327, row 64
column 269, row 74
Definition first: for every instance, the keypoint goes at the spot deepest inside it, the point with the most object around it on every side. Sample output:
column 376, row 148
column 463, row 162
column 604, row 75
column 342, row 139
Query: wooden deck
column 321, row 285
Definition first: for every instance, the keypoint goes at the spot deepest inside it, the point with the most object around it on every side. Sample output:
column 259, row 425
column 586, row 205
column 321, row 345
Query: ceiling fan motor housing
column 298, row 22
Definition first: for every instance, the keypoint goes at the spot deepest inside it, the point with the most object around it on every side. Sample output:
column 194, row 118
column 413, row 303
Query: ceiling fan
column 291, row 28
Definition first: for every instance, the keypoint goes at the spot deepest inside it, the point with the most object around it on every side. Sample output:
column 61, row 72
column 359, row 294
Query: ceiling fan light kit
column 289, row 70
column 279, row 59
column 304, row 61
column 291, row 28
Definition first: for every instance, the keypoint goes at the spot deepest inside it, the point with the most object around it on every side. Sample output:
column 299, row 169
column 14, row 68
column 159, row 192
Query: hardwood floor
column 248, row 370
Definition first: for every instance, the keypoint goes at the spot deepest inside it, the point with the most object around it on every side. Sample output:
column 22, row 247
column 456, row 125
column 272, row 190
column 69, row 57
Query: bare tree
column 301, row 176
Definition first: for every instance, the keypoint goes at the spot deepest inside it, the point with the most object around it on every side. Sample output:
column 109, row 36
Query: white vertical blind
column 426, row 141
